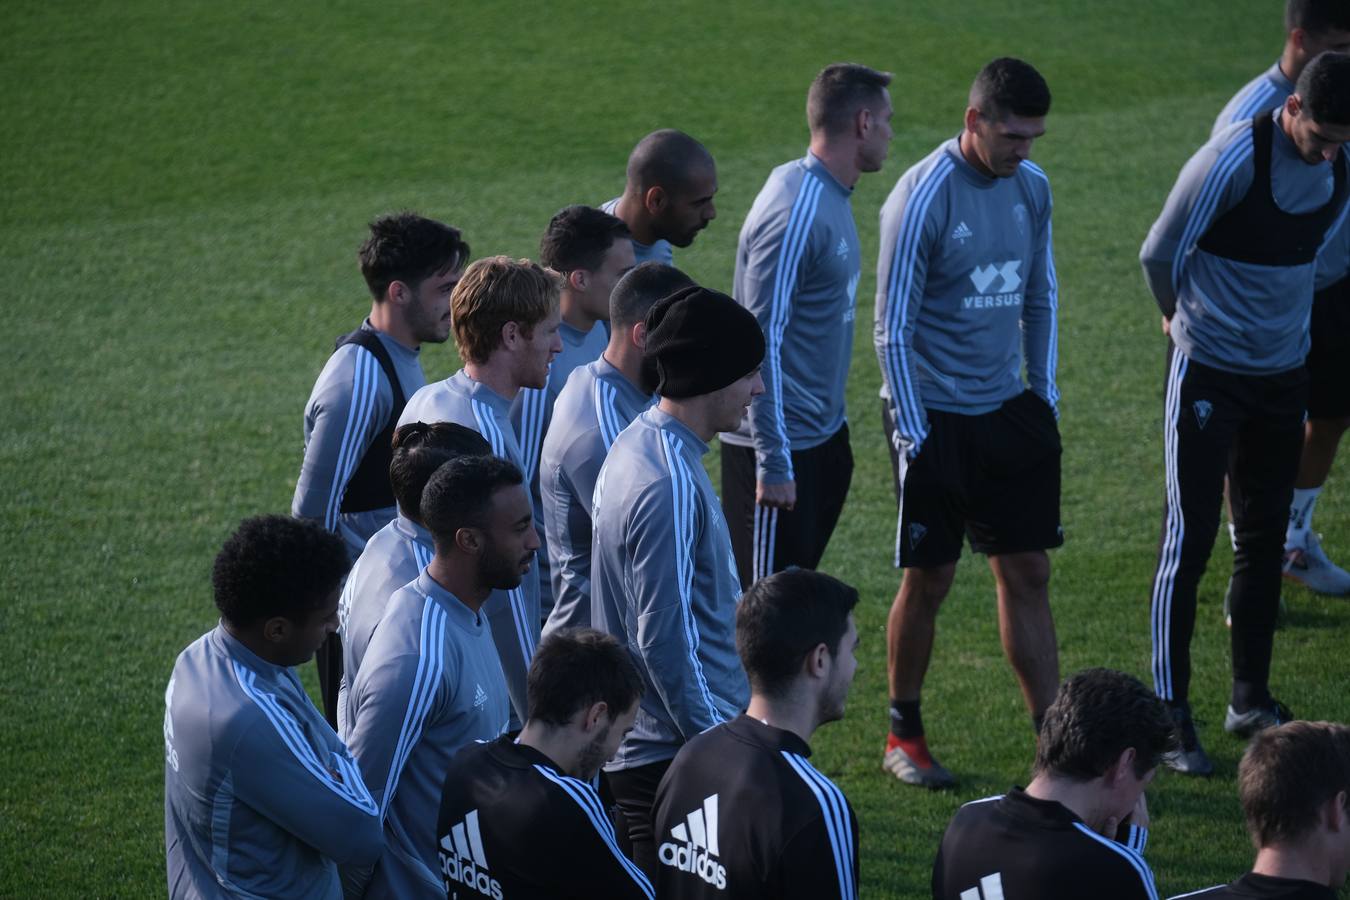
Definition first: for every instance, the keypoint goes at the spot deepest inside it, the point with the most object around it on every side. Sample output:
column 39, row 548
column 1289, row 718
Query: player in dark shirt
column 1294, row 782
column 519, row 818
column 1079, row 828
column 741, row 812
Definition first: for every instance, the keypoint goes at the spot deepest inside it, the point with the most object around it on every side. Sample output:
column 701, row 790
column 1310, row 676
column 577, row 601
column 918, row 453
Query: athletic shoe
column 1281, row 615
column 903, row 766
column 1190, row 758
column 1258, row 718
column 1309, row 566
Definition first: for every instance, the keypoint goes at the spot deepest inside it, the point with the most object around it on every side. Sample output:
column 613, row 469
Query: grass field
column 183, row 189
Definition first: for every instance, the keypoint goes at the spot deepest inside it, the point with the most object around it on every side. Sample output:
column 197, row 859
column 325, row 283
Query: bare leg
column 1320, row 440
column 911, row 626
column 1026, row 625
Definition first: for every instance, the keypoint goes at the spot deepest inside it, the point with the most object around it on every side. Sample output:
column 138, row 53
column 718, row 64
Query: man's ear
column 578, row 280
column 863, row 122
column 511, row 335
column 655, row 199
column 639, row 335
column 399, row 294
column 1123, row 765
column 595, row 716
column 817, row 661
column 277, row 629
column 1335, row 815
column 468, row 540
column 972, row 119
column 1293, row 105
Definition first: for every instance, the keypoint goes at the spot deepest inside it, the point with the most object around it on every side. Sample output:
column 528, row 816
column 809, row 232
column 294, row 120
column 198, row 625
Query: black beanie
column 701, row 341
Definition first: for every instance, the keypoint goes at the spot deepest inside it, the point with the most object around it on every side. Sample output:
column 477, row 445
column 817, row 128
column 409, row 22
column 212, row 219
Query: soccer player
column 787, row 468
column 597, row 403
column 668, row 196
column 1294, row 783
column 967, row 295
column 519, row 816
column 410, row 265
column 431, row 681
column 1231, row 263
column 591, row 251
column 261, row 799
column 742, row 812
column 663, row 578
column 1312, row 27
column 506, row 328
column 399, row 551
column 1079, row 828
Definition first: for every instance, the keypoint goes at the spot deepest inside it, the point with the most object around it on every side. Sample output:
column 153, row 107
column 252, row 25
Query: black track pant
column 634, row 792
column 328, row 659
column 765, row 540
column 1250, row 428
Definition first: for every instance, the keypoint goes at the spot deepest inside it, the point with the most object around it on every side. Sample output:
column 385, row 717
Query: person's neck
column 1291, row 62
column 255, row 643
column 555, row 743
column 1301, row 863
column 384, row 318
column 459, row 575
column 966, row 143
column 622, row 355
column 839, row 157
column 496, row 375
column 574, row 313
column 794, row 714
column 634, row 214
column 1082, row 798
column 693, row 413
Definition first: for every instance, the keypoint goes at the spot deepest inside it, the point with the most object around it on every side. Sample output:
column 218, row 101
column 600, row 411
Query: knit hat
column 702, row 341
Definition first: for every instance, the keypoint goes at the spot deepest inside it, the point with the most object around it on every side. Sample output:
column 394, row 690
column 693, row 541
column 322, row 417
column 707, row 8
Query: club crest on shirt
column 1021, row 218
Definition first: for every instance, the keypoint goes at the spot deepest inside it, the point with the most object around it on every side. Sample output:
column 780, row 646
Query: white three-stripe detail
column 901, row 293
column 837, row 823
column 1174, row 532
column 365, row 388
column 430, row 666
column 1134, row 859
column 348, row 785
column 1202, row 211
column 765, row 534
column 585, row 797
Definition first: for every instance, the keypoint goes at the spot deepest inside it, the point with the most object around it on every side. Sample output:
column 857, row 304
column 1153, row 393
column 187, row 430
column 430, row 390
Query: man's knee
column 1022, row 574
column 928, row 586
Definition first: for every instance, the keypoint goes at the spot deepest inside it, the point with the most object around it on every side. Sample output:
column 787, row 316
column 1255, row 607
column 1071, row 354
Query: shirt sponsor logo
column 991, row 888
column 463, row 861
column 962, row 233
column 1020, row 217
column 695, row 847
column 997, row 284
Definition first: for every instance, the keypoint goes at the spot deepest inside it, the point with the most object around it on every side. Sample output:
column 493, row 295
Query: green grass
column 183, row 188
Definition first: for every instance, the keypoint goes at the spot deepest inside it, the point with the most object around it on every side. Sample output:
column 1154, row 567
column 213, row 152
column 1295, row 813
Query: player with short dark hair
column 519, row 815
column 663, row 578
column 1232, row 264
column 260, row 796
column 506, row 318
column 410, row 264
column 1080, row 826
column 1294, row 783
column 590, row 251
column 668, row 194
column 598, row 402
column 742, row 812
column 1312, row 27
column 966, row 296
column 786, row 470
column 431, row 681
column 400, row 550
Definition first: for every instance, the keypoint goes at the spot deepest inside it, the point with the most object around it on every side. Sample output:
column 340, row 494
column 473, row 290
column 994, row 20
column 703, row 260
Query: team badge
column 1202, row 408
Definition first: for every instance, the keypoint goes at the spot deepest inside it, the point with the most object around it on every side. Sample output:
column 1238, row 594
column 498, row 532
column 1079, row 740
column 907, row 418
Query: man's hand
column 776, row 496
column 1167, row 325
column 1138, row 817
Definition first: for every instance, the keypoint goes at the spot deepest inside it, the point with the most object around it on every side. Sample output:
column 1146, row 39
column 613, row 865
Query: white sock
column 1300, row 516
column 1232, row 535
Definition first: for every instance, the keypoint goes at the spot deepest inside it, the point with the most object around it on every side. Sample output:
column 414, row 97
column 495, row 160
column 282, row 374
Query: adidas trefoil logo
column 842, row 249
column 463, row 860
column 696, row 850
column 1203, row 409
column 991, row 888
column 962, row 233
column 479, row 696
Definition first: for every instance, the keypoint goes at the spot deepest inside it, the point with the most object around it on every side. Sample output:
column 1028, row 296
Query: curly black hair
column 276, row 566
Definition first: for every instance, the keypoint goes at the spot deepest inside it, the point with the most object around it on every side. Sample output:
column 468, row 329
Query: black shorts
column 1329, row 358
column 993, row 478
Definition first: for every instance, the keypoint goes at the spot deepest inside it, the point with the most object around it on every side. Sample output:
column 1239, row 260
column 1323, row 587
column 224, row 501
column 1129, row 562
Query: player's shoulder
column 912, row 196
